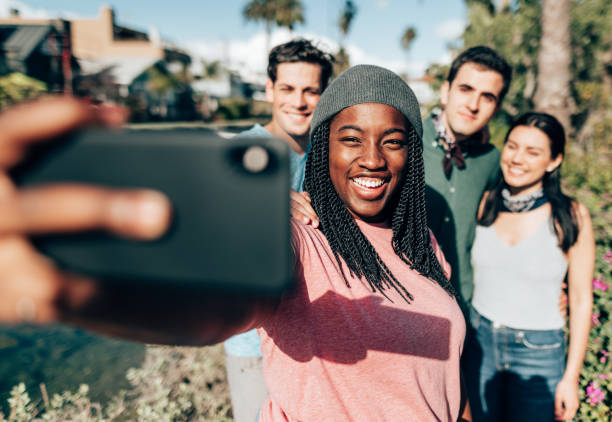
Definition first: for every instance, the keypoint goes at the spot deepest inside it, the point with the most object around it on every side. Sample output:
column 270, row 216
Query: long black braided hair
column 411, row 241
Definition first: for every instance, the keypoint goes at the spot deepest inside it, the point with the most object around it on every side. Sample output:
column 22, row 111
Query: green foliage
column 596, row 375
column 161, row 82
column 232, row 109
column 587, row 177
column 349, row 11
column 342, row 62
column 17, row 87
column 173, row 385
column 62, row 407
column 211, row 69
column 591, row 66
column 284, row 13
column 181, row 384
column 438, row 74
column 409, row 35
column 592, row 42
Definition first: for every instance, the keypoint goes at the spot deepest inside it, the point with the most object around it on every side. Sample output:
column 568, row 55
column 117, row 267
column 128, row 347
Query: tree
column 342, row 61
column 347, row 15
column 211, row 69
column 349, row 11
column 283, row 13
column 554, row 58
column 407, row 38
column 592, row 72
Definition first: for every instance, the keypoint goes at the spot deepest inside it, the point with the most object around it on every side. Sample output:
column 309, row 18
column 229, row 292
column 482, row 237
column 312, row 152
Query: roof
column 25, row 39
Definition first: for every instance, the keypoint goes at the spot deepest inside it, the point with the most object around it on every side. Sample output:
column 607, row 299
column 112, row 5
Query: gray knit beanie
column 368, row 84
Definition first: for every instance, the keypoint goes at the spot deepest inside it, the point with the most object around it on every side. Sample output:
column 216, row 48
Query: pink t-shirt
column 334, row 353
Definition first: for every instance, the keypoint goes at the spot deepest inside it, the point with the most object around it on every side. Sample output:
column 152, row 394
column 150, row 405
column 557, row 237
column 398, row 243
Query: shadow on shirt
column 343, row 330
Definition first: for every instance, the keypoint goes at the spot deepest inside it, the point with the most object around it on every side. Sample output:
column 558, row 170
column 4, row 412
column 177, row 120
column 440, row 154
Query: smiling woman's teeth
column 368, row 183
column 515, row 171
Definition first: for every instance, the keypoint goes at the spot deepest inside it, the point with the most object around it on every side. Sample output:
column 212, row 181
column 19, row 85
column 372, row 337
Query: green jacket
column 452, row 204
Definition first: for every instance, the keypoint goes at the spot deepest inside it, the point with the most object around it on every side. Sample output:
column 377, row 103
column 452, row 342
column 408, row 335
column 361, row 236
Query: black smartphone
column 230, row 199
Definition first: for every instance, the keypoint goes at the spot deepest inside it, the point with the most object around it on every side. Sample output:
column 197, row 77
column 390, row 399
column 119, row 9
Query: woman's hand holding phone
column 32, row 287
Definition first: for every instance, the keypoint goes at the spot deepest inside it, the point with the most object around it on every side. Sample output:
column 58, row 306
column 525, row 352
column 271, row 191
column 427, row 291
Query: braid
column 411, row 240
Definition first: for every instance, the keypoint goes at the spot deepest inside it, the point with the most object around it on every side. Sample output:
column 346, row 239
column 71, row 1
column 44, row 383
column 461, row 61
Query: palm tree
column 554, row 59
column 347, row 15
column 283, row 13
column 407, row 38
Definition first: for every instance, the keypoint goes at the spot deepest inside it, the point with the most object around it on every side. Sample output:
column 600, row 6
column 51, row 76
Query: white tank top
column 519, row 286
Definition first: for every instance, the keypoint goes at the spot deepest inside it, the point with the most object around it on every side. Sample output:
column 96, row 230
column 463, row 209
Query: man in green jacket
column 460, row 163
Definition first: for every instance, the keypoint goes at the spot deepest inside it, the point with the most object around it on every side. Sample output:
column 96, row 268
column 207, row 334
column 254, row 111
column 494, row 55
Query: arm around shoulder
column 483, row 200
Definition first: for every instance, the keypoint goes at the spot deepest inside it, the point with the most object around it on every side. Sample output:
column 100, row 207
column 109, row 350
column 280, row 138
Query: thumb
column 559, row 406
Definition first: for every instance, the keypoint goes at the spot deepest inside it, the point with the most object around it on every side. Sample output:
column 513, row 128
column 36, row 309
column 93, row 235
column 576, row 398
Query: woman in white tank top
column 530, row 238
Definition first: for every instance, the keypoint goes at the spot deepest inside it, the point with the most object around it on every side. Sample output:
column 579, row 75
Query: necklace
column 522, row 203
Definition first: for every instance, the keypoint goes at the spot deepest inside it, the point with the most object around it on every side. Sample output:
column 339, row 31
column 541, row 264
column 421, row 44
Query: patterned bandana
column 453, row 152
column 522, row 203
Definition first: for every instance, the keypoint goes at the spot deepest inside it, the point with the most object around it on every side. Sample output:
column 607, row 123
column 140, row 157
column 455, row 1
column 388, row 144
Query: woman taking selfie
column 372, row 330
column 530, row 237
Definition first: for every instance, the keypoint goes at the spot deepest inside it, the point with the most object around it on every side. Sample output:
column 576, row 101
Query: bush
column 18, row 87
column 232, row 109
column 588, row 178
column 596, row 376
column 173, row 385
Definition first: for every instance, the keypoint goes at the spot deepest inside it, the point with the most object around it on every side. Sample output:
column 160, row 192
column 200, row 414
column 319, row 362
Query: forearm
column 166, row 316
column 581, row 260
column 579, row 325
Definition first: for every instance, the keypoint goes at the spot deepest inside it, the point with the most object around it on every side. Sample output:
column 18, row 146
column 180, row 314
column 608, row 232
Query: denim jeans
column 511, row 375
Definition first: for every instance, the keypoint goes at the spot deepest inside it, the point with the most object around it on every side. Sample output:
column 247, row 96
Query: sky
column 216, row 30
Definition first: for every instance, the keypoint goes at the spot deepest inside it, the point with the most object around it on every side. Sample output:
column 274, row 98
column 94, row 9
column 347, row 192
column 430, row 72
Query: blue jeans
column 511, row 375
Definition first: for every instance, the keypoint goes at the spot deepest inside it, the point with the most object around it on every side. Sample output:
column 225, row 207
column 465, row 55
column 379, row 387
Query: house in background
column 38, row 48
column 101, row 60
column 132, row 66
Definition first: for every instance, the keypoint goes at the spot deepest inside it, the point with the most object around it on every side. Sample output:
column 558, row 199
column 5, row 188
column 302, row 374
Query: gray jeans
column 247, row 386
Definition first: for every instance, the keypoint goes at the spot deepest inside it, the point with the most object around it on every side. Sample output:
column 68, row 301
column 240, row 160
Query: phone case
column 230, row 202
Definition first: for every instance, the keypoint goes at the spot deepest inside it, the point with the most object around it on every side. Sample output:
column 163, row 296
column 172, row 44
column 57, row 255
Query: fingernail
column 145, row 214
column 153, row 213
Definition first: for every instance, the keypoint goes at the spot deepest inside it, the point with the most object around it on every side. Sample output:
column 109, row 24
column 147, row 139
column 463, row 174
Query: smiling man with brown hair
column 460, row 163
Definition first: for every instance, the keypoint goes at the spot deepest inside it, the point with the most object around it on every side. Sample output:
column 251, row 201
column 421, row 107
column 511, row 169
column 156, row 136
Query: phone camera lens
column 255, row 159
